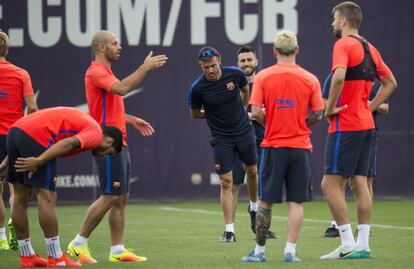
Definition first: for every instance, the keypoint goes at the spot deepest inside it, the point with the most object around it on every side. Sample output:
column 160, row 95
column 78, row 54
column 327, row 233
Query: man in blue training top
column 221, row 95
column 383, row 109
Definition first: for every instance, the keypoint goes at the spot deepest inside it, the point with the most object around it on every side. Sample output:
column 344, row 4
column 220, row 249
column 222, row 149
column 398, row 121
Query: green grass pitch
column 185, row 235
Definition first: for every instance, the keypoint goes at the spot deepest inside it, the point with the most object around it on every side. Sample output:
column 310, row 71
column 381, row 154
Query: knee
column 226, row 182
column 115, row 200
column 251, row 171
column 324, row 186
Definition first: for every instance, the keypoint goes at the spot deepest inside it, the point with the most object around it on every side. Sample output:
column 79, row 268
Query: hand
column 30, row 164
column 152, row 62
column 144, row 127
column 3, row 168
column 329, row 113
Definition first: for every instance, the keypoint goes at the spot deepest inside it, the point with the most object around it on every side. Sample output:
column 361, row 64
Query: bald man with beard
column 104, row 94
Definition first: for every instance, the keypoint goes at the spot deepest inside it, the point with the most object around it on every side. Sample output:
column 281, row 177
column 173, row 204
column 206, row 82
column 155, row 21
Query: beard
column 338, row 33
column 248, row 71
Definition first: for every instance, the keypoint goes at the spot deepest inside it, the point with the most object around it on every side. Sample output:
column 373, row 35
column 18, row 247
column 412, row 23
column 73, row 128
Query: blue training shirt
column 222, row 102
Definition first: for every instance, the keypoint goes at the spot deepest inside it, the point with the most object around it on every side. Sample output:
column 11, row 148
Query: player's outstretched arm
column 141, row 125
column 63, row 147
column 132, row 81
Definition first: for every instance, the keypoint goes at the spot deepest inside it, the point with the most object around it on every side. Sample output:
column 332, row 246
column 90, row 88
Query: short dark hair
column 207, row 53
column 245, row 49
column 116, row 134
column 351, row 11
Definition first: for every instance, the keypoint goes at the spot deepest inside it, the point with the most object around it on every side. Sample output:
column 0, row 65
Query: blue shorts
column 227, row 150
column 238, row 169
column 3, row 150
column 349, row 153
column 287, row 167
column 19, row 144
column 372, row 172
column 114, row 172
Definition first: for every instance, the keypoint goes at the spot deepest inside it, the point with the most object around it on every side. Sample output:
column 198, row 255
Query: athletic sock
column 79, row 241
column 117, row 249
column 26, row 248
column 3, row 233
column 253, row 206
column 259, row 250
column 230, row 227
column 53, row 247
column 347, row 238
column 290, row 248
column 363, row 236
column 333, row 224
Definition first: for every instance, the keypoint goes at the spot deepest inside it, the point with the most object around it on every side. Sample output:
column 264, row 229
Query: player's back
column 287, row 95
column 50, row 125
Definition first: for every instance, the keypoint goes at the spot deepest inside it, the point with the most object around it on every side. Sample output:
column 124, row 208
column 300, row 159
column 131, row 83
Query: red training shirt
column 287, row 91
column 50, row 125
column 15, row 84
column 349, row 52
column 105, row 107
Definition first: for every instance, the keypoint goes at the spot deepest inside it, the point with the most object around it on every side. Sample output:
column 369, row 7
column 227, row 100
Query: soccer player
column 355, row 64
column 15, row 86
column 106, row 105
column 293, row 102
column 215, row 95
column 247, row 61
column 33, row 144
column 332, row 230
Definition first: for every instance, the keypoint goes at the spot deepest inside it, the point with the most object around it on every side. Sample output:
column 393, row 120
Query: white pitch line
column 209, row 212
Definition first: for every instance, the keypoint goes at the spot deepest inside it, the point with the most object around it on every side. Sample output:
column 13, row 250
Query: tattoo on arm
column 263, row 220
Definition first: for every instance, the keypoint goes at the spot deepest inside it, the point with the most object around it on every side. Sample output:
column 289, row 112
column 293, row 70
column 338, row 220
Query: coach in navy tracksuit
column 221, row 95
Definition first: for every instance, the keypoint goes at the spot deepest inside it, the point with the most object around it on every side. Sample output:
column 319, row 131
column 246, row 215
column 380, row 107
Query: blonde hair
column 286, row 43
column 4, row 44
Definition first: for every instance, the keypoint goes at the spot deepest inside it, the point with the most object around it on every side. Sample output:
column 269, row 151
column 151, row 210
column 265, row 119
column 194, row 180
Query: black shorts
column 349, row 153
column 114, row 172
column 285, row 166
column 227, row 150
column 238, row 169
column 19, row 144
column 372, row 171
column 3, row 149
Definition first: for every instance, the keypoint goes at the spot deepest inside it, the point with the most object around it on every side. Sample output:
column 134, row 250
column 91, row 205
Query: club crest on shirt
column 116, row 184
column 230, row 86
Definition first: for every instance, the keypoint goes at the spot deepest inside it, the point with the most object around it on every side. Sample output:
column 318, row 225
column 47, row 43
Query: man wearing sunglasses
column 221, row 96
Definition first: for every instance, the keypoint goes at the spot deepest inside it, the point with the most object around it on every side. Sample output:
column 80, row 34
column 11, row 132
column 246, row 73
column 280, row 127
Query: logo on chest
column 3, row 93
column 230, row 86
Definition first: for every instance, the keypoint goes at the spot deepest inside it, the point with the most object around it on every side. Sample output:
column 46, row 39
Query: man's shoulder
column 197, row 83
column 231, row 70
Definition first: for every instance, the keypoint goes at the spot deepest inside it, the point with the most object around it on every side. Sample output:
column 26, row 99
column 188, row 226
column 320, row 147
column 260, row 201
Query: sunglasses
column 207, row 53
